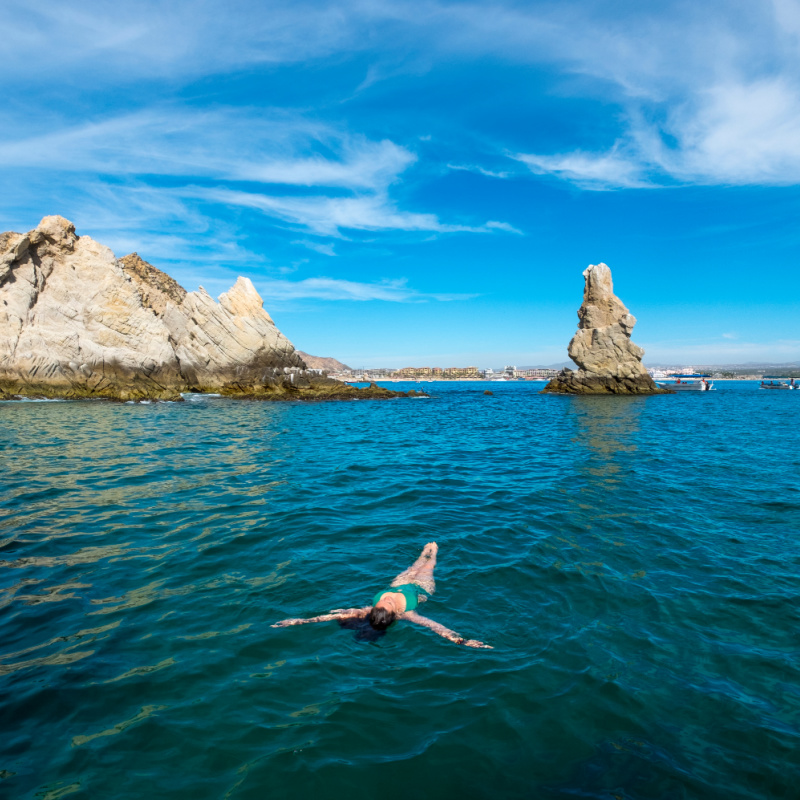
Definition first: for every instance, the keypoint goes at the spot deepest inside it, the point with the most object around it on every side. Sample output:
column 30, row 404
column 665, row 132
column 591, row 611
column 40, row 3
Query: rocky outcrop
column 75, row 321
column 609, row 362
column 155, row 287
column 303, row 387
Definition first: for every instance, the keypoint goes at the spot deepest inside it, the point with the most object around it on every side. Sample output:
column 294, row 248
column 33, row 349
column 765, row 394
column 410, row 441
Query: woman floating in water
column 404, row 594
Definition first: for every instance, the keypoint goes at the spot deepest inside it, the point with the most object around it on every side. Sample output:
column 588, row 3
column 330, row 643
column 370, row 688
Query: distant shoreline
column 446, row 380
column 515, row 380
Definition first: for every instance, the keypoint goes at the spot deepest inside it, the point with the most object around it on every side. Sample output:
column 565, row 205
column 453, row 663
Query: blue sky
column 413, row 183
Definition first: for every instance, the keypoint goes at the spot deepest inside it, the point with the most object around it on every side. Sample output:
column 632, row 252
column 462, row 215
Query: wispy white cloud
column 737, row 133
column 148, row 39
column 328, row 216
column 588, row 170
column 478, row 169
column 237, row 146
column 394, row 291
column 706, row 93
column 138, row 217
column 364, row 165
column 709, row 97
column 728, row 134
column 492, row 225
column 325, row 249
column 233, row 144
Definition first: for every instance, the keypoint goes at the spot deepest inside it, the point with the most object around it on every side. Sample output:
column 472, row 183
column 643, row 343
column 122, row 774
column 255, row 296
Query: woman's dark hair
column 363, row 630
column 380, row 618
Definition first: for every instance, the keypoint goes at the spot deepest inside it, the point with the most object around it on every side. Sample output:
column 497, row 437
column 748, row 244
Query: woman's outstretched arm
column 437, row 627
column 337, row 613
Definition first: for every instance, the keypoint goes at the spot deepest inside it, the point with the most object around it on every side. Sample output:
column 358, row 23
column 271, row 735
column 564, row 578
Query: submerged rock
column 75, row 321
column 609, row 362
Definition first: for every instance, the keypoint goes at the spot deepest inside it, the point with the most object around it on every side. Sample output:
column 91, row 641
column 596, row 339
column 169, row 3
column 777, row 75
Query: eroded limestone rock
column 75, row 321
column 608, row 361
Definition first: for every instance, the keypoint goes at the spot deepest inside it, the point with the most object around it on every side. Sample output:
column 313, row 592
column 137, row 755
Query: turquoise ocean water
column 634, row 561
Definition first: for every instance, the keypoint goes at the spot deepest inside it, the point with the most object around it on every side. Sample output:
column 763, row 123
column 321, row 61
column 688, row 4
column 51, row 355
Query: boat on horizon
column 689, row 383
column 774, row 383
column 506, row 374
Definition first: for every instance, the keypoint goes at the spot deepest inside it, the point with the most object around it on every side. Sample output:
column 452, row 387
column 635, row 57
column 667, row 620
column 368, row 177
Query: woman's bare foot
column 430, row 549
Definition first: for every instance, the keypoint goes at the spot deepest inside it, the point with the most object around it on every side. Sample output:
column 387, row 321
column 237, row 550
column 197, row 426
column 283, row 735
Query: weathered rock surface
column 315, row 388
column 75, row 321
column 609, row 362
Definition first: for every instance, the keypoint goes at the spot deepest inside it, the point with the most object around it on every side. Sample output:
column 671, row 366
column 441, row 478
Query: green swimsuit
column 409, row 590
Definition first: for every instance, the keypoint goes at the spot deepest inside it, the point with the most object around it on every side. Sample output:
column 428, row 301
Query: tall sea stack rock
column 75, row 321
column 609, row 362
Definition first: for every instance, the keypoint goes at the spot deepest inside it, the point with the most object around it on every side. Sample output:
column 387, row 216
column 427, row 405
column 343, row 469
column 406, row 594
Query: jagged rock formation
column 323, row 362
column 609, row 362
column 75, row 321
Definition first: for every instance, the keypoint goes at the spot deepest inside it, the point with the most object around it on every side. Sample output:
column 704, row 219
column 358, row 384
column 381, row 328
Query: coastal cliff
column 609, row 362
column 76, row 322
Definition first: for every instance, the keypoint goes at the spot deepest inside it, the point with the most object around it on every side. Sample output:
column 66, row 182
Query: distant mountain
column 749, row 366
column 321, row 362
column 756, row 365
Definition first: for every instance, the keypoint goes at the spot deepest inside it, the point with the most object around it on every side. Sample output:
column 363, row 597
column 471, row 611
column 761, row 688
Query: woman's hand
column 476, row 643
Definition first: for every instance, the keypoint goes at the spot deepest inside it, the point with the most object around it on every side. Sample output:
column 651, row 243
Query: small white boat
column 689, row 383
column 771, row 383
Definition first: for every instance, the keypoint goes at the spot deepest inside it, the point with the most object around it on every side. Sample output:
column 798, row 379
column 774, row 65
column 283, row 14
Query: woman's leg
column 421, row 571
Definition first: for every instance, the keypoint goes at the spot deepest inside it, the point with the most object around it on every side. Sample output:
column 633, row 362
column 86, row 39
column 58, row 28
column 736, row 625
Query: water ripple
column 633, row 561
